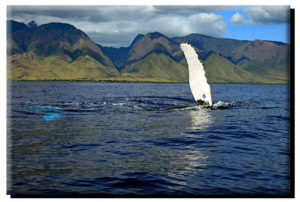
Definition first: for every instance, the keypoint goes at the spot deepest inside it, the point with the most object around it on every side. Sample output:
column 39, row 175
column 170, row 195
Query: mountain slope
column 158, row 66
column 260, row 53
column 52, row 46
column 151, row 55
column 261, row 57
column 58, row 51
column 220, row 70
column 221, row 46
column 227, row 60
column 120, row 55
column 117, row 55
column 13, row 26
column 153, row 42
column 29, row 66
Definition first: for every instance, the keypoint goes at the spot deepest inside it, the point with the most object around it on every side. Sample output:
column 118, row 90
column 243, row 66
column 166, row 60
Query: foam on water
column 50, row 113
column 222, row 105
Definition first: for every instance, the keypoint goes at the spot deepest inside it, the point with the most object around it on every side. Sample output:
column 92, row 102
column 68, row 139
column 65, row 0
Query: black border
column 292, row 103
column 292, row 150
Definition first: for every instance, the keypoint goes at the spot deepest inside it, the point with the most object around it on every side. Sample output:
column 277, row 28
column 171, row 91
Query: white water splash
column 223, row 105
column 198, row 82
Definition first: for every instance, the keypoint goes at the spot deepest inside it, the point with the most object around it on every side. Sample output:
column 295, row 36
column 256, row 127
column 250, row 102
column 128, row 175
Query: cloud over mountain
column 127, row 21
column 117, row 25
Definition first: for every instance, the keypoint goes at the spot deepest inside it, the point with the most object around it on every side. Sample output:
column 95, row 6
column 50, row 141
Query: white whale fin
column 197, row 80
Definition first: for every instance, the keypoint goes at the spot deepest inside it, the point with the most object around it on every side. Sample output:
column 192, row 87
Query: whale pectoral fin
column 197, row 79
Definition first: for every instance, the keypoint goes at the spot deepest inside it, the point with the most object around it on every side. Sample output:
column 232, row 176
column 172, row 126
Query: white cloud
column 262, row 15
column 237, row 19
column 267, row 14
column 208, row 23
column 127, row 21
column 170, row 25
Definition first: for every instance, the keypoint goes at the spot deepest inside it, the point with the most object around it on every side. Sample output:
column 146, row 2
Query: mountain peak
column 62, row 31
column 63, row 43
column 138, row 37
column 58, row 25
column 32, row 24
column 13, row 26
column 155, row 35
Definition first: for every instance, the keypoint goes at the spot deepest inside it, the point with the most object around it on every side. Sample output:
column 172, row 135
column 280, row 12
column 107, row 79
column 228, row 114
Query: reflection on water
column 190, row 158
column 200, row 118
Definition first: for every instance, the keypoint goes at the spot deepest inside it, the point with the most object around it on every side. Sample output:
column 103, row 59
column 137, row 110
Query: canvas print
column 149, row 101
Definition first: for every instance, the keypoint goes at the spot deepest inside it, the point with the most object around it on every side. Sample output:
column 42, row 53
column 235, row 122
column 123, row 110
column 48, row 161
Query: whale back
column 197, row 79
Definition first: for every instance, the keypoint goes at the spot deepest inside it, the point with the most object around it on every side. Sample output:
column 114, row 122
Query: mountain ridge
column 33, row 48
column 52, row 47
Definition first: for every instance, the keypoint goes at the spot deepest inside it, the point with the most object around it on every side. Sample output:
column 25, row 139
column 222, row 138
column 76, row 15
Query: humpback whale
column 198, row 83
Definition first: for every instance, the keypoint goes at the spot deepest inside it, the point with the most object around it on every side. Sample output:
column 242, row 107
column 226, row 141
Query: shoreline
column 140, row 81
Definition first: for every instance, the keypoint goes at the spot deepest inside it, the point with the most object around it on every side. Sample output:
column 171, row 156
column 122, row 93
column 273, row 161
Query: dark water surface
column 151, row 139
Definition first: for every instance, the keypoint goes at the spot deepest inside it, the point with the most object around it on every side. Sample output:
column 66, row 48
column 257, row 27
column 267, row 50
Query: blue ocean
column 146, row 140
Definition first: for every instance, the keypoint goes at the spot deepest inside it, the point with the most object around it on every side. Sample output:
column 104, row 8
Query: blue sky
column 274, row 31
column 264, row 32
column 118, row 25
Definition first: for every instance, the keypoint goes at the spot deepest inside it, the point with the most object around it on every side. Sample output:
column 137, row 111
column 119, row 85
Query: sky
column 118, row 25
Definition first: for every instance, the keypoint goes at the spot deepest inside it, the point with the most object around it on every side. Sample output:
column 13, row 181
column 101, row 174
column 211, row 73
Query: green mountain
column 220, row 70
column 58, row 51
column 145, row 59
column 153, row 42
column 157, row 66
column 155, row 56
column 119, row 55
column 55, row 51
column 267, row 59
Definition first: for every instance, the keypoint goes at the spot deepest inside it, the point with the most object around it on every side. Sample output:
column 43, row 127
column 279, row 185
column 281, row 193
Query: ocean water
column 147, row 139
